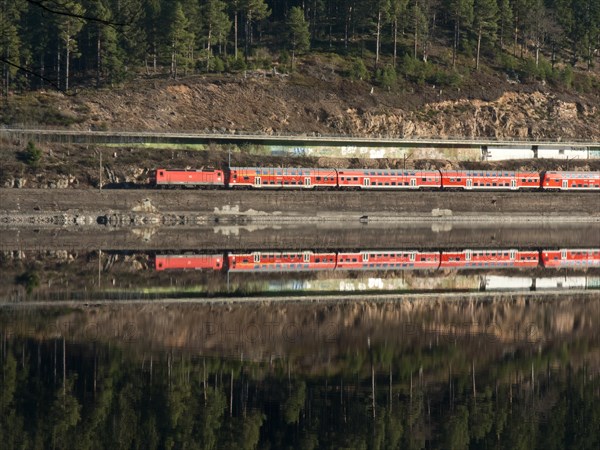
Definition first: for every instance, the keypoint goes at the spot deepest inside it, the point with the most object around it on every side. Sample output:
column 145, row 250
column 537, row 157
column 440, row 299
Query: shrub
column 386, row 77
column 358, row 70
column 32, row 155
column 217, row 65
column 30, row 280
column 236, row 64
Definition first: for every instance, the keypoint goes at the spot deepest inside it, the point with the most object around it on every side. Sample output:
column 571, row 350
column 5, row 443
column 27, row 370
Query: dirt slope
column 309, row 102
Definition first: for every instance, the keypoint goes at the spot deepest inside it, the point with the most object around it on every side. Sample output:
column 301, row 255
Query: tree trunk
column 416, row 18
column 378, row 40
column 478, row 47
column 395, row 40
column 455, row 43
column 235, row 35
column 208, row 47
column 98, row 58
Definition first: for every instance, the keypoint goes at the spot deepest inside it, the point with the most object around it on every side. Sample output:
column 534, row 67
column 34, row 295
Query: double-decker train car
column 191, row 178
column 389, row 179
column 189, row 262
column 272, row 177
column 388, row 260
column 281, row 261
column 572, row 258
column 568, row 181
column 485, row 180
column 488, row 259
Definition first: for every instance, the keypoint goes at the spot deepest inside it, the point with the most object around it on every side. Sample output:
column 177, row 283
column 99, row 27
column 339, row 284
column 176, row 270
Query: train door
column 565, row 184
column 412, row 256
column 513, row 184
column 513, row 255
column 468, row 255
column 307, row 182
column 366, row 182
column 413, row 182
column 365, row 257
column 306, row 257
column 257, row 182
column 257, row 257
column 469, row 183
column 563, row 254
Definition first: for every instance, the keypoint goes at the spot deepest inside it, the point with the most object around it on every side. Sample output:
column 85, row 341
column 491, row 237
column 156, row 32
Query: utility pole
column 100, row 171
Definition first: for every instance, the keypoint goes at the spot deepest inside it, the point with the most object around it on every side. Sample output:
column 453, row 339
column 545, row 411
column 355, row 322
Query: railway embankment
column 37, row 207
column 216, row 220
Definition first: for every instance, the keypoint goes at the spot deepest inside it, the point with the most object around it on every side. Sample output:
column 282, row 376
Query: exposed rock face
column 340, row 106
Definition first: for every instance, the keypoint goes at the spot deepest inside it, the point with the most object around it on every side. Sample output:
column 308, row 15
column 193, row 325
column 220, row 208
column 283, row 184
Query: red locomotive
column 571, row 181
column 486, row 180
column 182, row 262
column 271, row 177
column 575, row 258
column 489, row 259
column 165, row 177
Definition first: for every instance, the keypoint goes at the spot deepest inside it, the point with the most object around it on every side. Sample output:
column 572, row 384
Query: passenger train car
column 571, row 258
column 378, row 179
column 571, row 181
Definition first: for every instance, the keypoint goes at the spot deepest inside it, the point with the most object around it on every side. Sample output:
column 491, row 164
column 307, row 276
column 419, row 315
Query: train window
column 493, row 184
column 379, row 173
column 246, row 178
column 393, row 183
column 451, row 179
column 326, row 179
column 423, row 179
column 379, row 184
column 355, row 178
column 354, row 260
column 286, row 182
column 458, row 179
column 319, row 178
column 372, row 173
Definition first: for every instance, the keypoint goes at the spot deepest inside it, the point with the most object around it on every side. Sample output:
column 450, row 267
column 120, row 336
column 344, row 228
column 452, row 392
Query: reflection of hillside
column 320, row 334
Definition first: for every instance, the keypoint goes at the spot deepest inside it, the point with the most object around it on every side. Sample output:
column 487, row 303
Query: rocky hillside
column 318, row 99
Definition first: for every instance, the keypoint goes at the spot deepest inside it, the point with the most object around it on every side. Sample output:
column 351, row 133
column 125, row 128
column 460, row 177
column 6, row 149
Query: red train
column 383, row 260
column 571, row 258
column 378, row 179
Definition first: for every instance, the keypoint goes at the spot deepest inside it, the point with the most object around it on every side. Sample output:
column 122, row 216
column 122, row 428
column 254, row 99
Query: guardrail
column 124, row 136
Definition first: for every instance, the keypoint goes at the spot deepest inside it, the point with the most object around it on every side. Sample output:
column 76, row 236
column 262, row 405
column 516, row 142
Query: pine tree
column 298, row 32
column 505, row 20
column 398, row 12
column 180, row 39
column 10, row 42
column 69, row 27
column 485, row 22
column 461, row 12
column 217, row 25
column 256, row 10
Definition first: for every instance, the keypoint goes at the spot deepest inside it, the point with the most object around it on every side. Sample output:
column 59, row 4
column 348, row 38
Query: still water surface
column 356, row 374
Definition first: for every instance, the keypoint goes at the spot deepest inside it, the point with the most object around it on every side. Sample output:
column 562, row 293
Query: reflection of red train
column 383, row 260
column 373, row 179
column 197, row 262
column 488, row 259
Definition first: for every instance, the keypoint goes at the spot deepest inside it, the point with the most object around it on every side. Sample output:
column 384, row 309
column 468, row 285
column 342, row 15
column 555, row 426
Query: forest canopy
column 67, row 43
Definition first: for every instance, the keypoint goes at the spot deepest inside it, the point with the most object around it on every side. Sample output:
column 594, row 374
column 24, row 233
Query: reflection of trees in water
column 94, row 396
